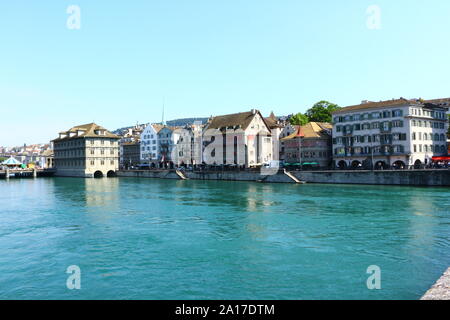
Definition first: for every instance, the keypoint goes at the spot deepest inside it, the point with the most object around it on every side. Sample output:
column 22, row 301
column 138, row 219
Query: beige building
column 86, row 151
column 310, row 145
column 242, row 139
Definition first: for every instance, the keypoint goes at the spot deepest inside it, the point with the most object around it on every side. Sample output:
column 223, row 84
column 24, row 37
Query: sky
column 202, row 57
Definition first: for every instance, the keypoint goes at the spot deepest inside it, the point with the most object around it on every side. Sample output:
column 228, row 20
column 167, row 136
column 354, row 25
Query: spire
column 162, row 122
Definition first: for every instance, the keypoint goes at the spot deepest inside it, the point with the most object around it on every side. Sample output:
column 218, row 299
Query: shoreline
column 440, row 290
column 424, row 178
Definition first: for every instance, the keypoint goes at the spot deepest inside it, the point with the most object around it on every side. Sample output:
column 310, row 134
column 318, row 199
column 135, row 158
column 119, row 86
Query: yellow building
column 87, row 150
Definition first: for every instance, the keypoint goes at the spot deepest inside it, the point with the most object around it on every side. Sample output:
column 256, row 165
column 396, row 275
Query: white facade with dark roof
column 242, row 139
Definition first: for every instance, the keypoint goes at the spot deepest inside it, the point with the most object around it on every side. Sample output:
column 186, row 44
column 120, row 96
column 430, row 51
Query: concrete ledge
column 441, row 290
column 387, row 177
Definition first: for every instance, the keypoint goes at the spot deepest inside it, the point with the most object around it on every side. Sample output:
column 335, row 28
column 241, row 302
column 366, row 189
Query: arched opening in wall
column 98, row 174
column 342, row 164
column 381, row 165
column 356, row 164
column 111, row 174
column 417, row 164
column 399, row 165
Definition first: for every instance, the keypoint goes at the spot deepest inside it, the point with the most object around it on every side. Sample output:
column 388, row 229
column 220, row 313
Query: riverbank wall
column 441, row 290
column 401, row 177
column 219, row 175
column 390, row 177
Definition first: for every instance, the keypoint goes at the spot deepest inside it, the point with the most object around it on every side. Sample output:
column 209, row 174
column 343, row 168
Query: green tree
column 321, row 111
column 299, row 119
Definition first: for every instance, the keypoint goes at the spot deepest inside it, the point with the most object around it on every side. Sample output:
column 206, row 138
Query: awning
column 11, row 162
column 441, row 158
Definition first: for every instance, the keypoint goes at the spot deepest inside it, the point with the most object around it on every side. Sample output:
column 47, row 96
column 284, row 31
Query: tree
column 321, row 111
column 299, row 119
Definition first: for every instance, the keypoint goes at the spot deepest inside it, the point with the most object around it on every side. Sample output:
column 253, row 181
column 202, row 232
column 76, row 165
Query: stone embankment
column 436, row 178
column 441, row 290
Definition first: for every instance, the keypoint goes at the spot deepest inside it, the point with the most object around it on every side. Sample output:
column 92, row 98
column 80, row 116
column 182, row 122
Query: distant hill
column 185, row 121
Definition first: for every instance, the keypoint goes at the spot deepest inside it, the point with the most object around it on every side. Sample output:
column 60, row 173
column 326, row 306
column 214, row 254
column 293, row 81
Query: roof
column 88, row 131
column 47, row 153
column 311, row 130
column 442, row 101
column 376, row 105
column 12, row 162
column 272, row 121
column 242, row 120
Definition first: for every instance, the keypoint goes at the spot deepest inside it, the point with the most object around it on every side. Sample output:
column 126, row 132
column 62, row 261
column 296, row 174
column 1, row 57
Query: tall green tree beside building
column 299, row 119
column 321, row 111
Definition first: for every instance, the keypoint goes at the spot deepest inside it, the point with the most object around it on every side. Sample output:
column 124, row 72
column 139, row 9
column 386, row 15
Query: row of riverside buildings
column 398, row 133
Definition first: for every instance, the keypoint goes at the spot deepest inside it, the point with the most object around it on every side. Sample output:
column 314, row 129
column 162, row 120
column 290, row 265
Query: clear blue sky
column 209, row 58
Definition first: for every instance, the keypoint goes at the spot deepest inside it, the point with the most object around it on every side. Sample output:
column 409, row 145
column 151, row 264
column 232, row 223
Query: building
column 130, row 147
column 242, row 139
column 46, row 159
column 280, row 128
column 167, row 140
column 87, row 150
column 394, row 133
column 188, row 147
column 149, row 152
column 310, row 145
column 130, row 154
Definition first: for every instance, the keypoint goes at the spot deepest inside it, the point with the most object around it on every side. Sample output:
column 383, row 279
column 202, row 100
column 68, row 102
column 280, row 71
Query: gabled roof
column 241, row 120
column 86, row 131
column 272, row 121
column 311, row 130
column 376, row 105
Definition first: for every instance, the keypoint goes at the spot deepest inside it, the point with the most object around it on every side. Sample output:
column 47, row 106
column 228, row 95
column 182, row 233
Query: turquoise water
column 164, row 239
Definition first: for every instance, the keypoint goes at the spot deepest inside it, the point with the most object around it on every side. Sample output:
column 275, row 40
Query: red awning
column 441, row 158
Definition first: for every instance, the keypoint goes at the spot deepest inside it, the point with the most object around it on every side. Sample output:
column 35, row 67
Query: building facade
column 389, row 134
column 130, row 155
column 149, row 152
column 188, row 148
column 240, row 139
column 86, row 151
column 309, row 145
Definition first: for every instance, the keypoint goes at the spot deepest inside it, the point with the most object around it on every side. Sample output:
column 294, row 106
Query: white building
column 188, row 147
column 394, row 133
column 238, row 139
column 149, row 144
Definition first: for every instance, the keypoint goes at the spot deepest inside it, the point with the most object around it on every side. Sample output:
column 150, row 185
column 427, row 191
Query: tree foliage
column 299, row 119
column 321, row 111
